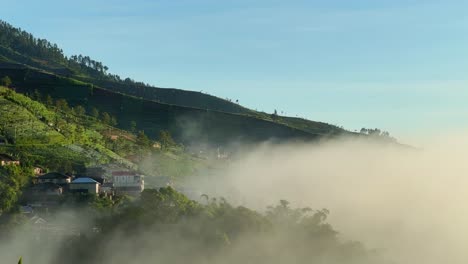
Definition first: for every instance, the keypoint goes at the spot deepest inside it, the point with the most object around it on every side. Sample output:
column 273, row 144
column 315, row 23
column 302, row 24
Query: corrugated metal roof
column 84, row 180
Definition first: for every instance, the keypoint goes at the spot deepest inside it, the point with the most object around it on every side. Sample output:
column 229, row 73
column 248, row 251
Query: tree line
column 25, row 43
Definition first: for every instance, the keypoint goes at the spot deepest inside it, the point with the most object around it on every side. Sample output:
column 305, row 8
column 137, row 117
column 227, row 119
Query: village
column 106, row 180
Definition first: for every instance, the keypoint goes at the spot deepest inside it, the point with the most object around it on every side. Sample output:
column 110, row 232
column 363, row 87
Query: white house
column 85, row 185
column 128, row 182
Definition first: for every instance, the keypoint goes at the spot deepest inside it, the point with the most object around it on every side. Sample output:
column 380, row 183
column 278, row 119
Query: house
column 127, row 182
column 8, row 160
column 97, row 178
column 46, row 189
column 54, row 177
column 26, row 209
column 38, row 171
column 85, row 185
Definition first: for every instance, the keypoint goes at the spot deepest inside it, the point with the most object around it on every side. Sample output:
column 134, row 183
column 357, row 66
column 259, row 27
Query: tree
column 113, row 121
column 49, row 100
column 62, row 105
column 106, row 118
column 80, row 110
column 36, row 95
column 274, row 115
column 6, row 81
column 166, row 139
column 142, row 139
column 133, row 126
column 95, row 112
column 12, row 179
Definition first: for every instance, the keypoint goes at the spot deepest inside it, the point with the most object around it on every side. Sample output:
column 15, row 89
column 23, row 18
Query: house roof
column 6, row 157
column 54, row 175
column 85, row 180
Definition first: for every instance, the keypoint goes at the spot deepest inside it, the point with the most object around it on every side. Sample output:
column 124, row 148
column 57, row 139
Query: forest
column 165, row 226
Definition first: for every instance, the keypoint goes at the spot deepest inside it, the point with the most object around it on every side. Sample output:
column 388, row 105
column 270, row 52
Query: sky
column 397, row 65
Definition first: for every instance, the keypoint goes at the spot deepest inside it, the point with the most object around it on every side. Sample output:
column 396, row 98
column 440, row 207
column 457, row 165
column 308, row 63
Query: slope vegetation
column 38, row 64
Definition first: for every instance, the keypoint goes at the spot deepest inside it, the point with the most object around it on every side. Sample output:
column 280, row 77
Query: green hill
column 50, row 137
column 38, row 64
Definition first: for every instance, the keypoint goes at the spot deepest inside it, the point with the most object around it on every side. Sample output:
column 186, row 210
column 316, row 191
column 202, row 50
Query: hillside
column 38, row 64
column 51, row 137
column 187, row 125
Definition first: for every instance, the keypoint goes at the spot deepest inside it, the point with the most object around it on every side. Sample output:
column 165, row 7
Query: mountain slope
column 38, row 64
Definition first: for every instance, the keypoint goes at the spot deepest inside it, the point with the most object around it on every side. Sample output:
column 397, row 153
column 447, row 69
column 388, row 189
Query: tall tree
column 95, row 112
column 142, row 139
column 80, row 110
column 106, row 118
column 49, row 100
column 5, row 81
column 166, row 139
column 62, row 105
column 133, row 126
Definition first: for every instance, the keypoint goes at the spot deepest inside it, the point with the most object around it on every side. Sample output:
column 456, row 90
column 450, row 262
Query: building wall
column 89, row 187
column 128, row 184
column 56, row 181
column 128, row 181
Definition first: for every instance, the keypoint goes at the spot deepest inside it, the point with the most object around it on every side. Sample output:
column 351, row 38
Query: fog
column 408, row 203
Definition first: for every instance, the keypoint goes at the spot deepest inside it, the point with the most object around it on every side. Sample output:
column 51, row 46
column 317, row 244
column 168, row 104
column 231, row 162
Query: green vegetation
column 12, row 180
column 57, row 136
column 63, row 138
column 187, row 115
column 215, row 232
column 5, row 81
column 378, row 134
column 163, row 223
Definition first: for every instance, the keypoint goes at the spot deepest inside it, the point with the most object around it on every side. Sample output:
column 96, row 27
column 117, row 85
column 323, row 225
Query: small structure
column 38, row 171
column 157, row 145
column 54, row 177
column 85, row 185
column 128, row 182
column 8, row 160
column 47, row 189
column 107, row 188
column 26, row 209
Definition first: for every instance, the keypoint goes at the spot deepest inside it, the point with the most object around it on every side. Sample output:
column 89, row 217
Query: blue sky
column 398, row 65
